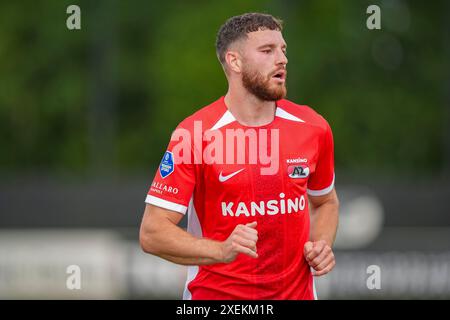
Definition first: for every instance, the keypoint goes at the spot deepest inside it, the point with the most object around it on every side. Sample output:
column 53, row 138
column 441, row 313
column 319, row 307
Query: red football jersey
column 221, row 185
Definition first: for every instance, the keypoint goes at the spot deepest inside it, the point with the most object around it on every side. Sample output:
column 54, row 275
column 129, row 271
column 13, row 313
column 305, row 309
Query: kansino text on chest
column 270, row 207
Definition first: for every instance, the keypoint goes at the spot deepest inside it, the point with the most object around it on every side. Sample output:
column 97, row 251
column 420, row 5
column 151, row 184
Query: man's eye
column 267, row 51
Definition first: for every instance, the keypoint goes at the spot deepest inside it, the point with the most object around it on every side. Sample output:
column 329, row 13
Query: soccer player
column 246, row 169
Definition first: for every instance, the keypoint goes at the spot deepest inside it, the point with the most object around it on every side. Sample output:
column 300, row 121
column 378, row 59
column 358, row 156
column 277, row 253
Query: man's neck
column 248, row 110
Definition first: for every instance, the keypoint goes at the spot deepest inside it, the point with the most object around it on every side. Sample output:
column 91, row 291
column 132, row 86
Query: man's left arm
column 324, row 221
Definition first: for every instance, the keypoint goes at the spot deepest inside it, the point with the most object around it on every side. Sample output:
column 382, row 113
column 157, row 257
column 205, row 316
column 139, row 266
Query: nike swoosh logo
column 225, row 178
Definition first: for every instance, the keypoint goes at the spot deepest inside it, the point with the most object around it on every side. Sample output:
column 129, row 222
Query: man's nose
column 281, row 58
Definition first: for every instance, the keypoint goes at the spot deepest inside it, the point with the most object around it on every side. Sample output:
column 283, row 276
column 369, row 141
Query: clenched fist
column 242, row 240
column 319, row 256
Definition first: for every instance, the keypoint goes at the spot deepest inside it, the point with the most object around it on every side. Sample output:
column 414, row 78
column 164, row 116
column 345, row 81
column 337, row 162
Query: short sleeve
column 174, row 181
column 321, row 182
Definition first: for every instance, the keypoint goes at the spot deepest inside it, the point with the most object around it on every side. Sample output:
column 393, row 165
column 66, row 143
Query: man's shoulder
column 304, row 112
column 207, row 116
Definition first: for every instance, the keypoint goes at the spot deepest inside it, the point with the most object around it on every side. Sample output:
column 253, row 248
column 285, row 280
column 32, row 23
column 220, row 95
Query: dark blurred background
column 85, row 116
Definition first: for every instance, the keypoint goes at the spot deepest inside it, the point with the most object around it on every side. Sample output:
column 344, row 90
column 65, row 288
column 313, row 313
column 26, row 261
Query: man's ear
column 233, row 61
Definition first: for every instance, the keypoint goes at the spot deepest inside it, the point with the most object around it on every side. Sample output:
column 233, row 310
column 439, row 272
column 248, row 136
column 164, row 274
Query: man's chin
column 278, row 90
column 269, row 91
column 274, row 97
column 279, row 94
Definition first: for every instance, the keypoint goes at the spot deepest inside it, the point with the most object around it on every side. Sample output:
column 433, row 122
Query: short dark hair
column 237, row 28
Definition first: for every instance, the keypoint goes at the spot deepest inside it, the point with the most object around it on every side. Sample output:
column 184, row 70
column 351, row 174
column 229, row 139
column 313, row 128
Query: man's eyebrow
column 270, row 45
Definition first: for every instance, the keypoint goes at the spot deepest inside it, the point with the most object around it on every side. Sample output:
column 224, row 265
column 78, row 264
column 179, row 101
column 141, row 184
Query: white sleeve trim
column 166, row 204
column 322, row 192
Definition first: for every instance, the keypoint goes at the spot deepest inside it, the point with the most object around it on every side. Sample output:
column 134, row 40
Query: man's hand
column 319, row 256
column 242, row 240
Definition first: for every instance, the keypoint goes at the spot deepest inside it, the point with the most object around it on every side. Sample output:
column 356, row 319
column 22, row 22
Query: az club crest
column 297, row 172
column 166, row 167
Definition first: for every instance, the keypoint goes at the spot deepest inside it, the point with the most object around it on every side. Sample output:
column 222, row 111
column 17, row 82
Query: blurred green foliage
column 109, row 95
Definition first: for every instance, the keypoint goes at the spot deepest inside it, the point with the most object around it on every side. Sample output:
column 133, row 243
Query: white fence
column 34, row 265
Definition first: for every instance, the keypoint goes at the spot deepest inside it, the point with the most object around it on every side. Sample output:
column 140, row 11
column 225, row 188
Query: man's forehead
column 262, row 37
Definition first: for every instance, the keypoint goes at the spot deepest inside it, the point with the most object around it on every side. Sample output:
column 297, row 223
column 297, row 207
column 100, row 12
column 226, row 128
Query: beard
column 261, row 86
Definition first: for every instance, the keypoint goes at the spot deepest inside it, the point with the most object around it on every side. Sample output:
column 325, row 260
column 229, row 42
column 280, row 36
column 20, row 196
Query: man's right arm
column 160, row 235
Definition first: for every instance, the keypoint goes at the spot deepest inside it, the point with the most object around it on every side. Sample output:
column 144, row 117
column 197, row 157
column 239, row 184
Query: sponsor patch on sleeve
column 166, row 166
